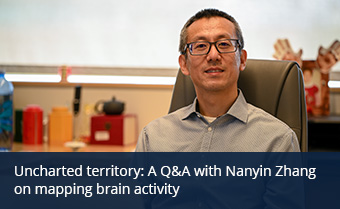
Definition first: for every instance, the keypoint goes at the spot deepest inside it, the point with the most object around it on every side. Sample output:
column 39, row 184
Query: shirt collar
column 189, row 110
column 238, row 110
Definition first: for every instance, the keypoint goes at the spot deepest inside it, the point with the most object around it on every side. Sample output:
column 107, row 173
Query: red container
column 113, row 129
column 32, row 125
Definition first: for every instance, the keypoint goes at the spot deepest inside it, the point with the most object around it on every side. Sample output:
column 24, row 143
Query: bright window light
column 33, row 78
column 334, row 84
column 106, row 79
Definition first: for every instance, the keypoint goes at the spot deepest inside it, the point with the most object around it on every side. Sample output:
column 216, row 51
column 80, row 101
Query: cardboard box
column 114, row 129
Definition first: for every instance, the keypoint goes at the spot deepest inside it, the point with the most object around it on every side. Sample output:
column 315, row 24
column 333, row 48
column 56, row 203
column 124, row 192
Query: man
column 219, row 120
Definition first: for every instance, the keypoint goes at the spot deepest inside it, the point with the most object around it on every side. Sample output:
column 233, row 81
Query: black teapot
column 113, row 107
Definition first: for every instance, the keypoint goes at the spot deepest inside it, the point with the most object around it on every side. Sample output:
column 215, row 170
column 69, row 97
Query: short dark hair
column 208, row 13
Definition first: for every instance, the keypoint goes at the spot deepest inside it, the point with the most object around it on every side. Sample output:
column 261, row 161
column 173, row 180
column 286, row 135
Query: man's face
column 214, row 71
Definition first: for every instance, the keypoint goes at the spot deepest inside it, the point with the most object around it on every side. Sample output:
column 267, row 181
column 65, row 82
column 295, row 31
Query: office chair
column 274, row 86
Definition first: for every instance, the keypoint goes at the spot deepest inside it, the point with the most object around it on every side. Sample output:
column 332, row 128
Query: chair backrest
column 274, row 86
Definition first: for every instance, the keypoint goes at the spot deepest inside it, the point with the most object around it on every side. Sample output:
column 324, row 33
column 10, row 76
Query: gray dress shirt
column 244, row 128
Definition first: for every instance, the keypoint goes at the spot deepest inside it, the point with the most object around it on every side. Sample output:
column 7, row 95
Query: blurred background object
column 316, row 73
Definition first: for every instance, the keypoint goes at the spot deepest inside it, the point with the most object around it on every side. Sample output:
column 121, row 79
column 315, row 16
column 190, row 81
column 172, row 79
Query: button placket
column 207, row 139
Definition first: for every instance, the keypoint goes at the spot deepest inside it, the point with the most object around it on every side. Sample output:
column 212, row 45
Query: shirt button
column 209, row 129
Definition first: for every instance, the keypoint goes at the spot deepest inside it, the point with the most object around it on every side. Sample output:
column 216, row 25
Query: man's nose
column 213, row 53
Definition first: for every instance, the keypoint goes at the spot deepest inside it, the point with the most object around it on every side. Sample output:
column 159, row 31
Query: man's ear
column 243, row 59
column 182, row 60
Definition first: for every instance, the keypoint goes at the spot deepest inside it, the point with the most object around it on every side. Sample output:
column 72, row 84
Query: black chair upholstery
column 274, row 86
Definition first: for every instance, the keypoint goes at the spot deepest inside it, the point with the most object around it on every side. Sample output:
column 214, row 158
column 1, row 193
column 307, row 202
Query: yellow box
column 60, row 126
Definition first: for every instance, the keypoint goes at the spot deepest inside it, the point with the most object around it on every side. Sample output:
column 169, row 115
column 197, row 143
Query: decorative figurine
column 316, row 73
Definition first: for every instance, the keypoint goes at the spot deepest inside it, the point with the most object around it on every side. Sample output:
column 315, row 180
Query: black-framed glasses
column 203, row 47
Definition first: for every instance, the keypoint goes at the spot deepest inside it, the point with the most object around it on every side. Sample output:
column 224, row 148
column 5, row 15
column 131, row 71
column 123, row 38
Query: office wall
column 146, row 33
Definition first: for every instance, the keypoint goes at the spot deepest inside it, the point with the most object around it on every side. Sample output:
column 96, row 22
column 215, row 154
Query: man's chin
column 216, row 87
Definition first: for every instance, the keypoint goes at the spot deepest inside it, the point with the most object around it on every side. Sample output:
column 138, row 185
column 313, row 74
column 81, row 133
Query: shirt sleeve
column 289, row 143
column 295, row 143
column 141, row 145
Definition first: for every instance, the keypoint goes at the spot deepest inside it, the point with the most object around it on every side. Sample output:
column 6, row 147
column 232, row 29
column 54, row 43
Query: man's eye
column 224, row 44
column 200, row 46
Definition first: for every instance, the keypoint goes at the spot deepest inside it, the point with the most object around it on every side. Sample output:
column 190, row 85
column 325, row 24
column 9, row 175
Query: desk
column 324, row 133
column 19, row 147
